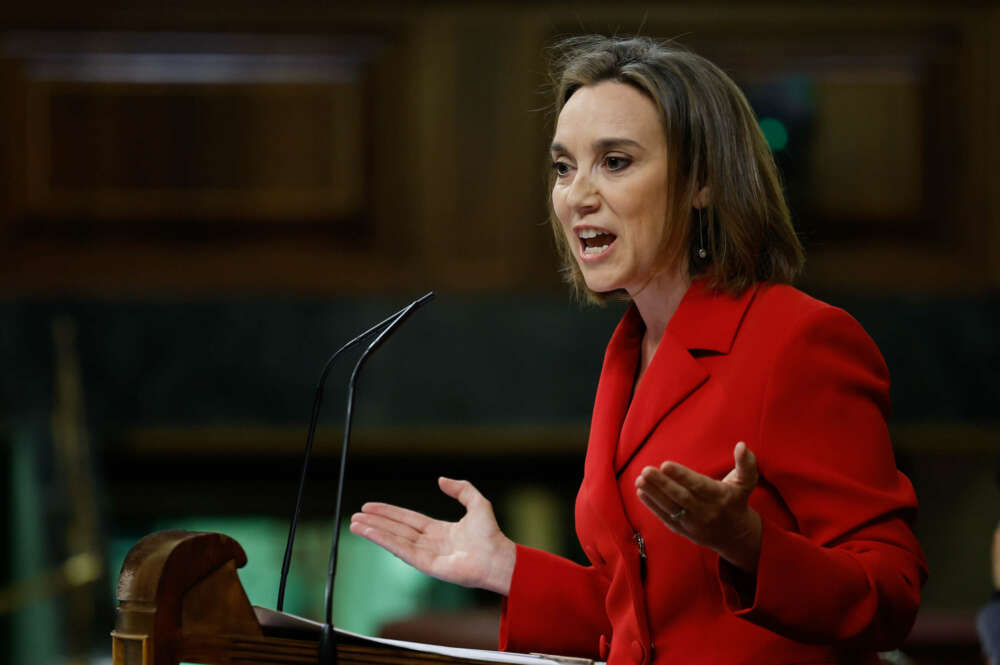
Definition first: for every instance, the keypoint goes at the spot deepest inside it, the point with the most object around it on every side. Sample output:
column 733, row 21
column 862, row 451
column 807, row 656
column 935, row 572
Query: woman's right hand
column 472, row 552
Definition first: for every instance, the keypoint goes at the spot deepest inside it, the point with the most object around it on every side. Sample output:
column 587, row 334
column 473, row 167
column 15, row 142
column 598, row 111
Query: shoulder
column 792, row 318
column 792, row 305
column 812, row 343
column 795, row 335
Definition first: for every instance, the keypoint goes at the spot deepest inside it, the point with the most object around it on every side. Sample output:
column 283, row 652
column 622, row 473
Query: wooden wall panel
column 443, row 171
column 12, row 148
column 850, row 179
column 483, row 173
column 140, row 152
column 991, row 102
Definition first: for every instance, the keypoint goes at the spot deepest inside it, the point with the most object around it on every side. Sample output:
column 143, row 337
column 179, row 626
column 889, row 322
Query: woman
column 701, row 550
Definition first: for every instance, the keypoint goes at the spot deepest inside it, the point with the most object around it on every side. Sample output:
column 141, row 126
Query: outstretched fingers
column 379, row 523
column 661, row 507
column 405, row 548
column 665, row 498
column 667, row 492
column 411, row 518
column 684, row 481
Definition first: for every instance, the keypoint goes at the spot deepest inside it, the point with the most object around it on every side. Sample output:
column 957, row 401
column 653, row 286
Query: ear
column 703, row 198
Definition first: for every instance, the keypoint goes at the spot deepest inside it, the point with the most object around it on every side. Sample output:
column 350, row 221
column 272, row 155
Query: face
column 610, row 158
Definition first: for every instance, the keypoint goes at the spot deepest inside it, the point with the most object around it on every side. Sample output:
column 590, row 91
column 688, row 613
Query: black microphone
column 383, row 326
column 328, row 638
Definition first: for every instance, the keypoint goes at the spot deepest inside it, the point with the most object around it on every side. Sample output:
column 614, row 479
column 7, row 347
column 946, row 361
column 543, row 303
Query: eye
column 616, row 162
column 561, row 168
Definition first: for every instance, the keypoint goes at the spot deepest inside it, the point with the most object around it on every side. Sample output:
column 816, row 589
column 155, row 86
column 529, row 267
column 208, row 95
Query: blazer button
column 603, row 647
column 638, row 653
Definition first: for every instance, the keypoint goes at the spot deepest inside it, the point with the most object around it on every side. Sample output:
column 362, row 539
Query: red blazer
column 840, row 570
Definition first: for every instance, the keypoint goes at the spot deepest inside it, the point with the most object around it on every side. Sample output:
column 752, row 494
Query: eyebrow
column 599, row 144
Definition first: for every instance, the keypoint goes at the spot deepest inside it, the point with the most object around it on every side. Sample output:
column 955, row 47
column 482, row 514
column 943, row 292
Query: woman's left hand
column 712, row 513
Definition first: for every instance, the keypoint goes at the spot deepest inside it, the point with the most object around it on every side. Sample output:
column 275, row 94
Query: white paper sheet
column 273, row 619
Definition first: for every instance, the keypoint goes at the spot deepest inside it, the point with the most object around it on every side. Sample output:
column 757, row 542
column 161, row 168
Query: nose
column 583, row 197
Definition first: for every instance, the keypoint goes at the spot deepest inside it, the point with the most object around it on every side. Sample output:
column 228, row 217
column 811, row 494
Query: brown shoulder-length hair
column 713, row 140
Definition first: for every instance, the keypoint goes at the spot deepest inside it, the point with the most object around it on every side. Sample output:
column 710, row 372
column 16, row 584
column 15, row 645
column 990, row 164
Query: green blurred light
column 372, row 586
column 775, row 133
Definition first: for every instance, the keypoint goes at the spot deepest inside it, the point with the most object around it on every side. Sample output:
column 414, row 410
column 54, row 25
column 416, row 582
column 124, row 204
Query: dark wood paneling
column 450, row 152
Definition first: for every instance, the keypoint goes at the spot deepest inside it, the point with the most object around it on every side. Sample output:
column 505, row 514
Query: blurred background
column 201, row 202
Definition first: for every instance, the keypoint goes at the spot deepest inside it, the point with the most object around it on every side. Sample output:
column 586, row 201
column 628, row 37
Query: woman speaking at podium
column 740, row 500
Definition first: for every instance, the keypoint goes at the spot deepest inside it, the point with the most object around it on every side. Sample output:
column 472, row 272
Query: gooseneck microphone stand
column 328, row 639
column 383, row 329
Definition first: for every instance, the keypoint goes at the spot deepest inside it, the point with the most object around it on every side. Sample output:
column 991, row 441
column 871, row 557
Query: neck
column 656, row 302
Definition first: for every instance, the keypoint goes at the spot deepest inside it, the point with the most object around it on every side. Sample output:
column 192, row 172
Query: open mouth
column 594, row 242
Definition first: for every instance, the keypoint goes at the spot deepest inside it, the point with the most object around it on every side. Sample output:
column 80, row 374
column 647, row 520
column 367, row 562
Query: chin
column 601, row 288
column 596, row 285
column 601, row 283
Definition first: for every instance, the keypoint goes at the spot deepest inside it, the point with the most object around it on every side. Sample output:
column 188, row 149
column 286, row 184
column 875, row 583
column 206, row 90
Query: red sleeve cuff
column 545, row 586
column 806, row 592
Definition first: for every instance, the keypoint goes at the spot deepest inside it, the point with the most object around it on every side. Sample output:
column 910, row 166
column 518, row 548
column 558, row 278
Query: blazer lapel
column 704, row 321
column 610, row 406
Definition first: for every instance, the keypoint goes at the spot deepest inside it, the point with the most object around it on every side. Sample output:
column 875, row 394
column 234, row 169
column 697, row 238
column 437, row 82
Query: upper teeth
column 589, row 233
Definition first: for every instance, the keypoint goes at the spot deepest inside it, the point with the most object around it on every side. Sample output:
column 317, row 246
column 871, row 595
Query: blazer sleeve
column 850, row 574
column 555, row 606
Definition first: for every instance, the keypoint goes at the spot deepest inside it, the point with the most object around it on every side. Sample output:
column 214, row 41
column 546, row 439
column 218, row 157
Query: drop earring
column 702, row 253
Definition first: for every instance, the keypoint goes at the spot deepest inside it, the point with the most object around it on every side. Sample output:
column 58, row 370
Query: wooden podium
column 180, row 600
